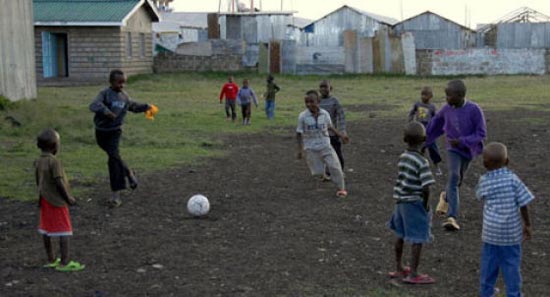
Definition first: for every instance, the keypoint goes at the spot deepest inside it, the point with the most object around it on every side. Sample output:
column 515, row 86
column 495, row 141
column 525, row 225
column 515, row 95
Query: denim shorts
column 412, row 222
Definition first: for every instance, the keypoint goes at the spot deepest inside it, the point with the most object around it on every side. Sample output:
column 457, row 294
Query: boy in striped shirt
column 411, row 218
column 505, row 200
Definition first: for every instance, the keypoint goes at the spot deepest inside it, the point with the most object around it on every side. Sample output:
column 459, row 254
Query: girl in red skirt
column 53, row 189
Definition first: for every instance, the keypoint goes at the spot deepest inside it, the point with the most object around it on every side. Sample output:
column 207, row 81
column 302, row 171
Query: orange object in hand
column 151, row 112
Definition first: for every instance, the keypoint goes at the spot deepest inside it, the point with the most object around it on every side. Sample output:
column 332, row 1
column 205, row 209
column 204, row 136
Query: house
column 82, row 40
column 17, row 74
column 175, row 28
column 328, row 30
column 432, row 31
column 522, row 28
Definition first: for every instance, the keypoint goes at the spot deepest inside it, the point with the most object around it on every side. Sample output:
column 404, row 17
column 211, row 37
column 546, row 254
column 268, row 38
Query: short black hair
column 47, row 139
column 313, row 92
column 414, row 133
column 270, row 77
column 457, row 86
column 114, row 74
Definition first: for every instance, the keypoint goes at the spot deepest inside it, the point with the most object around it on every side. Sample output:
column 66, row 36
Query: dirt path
column 273, row 230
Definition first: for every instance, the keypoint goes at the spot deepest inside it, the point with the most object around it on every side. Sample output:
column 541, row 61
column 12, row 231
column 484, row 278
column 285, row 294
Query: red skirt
column 54, row 221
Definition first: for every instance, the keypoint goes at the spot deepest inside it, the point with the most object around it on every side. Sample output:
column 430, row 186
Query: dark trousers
column 230, row 106
column 337, row 146
column 246, row 110
column 118, row 170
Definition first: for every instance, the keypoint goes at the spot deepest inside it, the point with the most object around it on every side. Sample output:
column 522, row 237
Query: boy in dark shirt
column 272, row 89
column 110, row 107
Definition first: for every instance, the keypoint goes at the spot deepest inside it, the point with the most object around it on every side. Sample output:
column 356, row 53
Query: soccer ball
column 198, row 205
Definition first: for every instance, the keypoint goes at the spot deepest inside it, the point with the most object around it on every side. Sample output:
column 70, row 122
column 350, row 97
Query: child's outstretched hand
column 151, row 112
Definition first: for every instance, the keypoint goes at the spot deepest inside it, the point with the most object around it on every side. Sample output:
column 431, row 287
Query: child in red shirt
column 229, row 90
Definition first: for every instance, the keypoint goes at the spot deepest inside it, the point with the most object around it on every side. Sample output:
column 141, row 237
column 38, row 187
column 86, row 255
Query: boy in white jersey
column 312, row 134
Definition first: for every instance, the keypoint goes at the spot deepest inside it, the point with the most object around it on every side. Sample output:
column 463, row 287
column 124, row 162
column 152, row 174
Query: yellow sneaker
column 442, row 206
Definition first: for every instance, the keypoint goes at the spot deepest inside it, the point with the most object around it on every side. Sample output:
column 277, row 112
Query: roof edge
column 80, row 24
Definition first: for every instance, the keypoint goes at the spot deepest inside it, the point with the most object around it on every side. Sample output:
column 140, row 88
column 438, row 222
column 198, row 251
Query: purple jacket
column 465, row 123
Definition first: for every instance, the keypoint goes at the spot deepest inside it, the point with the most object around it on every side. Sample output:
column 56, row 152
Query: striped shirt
column 337, row 115
column 503, row 194
column 414, row 174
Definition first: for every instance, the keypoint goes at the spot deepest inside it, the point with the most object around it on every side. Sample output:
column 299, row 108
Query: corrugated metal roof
column 380, row 18
column 86, row 11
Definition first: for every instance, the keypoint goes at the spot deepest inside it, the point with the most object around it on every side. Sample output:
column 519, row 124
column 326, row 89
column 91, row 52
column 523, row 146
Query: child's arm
column 300, row 145
column 345, row 137
column 480, row 130
column 134, row 106
column 97, row 106
column 276, row 88
column 254, row 97
column 412, row 112
column 222, row 93
column 435, row 127
column 426, row 196
column 340, row 118
column 64, row 191
column 239, row 97
column 527, row 231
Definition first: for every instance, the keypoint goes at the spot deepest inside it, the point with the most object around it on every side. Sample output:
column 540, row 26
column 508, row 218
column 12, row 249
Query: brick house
column 82, row 40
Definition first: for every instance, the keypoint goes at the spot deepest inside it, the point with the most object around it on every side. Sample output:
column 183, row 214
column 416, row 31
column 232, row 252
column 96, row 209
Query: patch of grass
column 191, row 120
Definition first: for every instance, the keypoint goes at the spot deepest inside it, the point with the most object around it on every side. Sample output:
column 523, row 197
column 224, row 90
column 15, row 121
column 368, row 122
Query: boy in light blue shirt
column 505, row 200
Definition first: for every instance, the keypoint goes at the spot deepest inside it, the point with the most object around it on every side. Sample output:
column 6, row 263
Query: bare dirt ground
column 273, row 230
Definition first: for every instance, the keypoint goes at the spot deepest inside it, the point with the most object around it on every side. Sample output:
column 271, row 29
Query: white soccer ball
column 198, row 205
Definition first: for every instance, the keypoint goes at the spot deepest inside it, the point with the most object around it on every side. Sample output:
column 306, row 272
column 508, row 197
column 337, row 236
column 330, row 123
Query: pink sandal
column 421, row 279
column 400, row 274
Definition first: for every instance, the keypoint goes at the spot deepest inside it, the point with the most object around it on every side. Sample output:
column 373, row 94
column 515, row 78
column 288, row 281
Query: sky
column 479, row 11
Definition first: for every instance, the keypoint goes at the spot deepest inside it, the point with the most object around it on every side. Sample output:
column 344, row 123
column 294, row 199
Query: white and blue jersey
column 314, row 130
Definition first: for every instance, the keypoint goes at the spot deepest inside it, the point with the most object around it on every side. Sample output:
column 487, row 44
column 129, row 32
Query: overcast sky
column 480, row 11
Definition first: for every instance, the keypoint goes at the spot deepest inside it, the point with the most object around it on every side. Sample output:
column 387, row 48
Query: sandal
column 420, row 279
column 53, row 264
column 70, row 267
column 342, row 193
column 400, row 274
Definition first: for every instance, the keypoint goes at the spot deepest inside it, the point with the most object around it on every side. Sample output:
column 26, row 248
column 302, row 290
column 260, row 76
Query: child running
column 312, row 134
column 411, row 218
column 505, row 200
column 229, row 91
column 54, row 198
column 423, row 111
column 463, row 123
column 110, row 107
column 245, row 97
column 272, row 89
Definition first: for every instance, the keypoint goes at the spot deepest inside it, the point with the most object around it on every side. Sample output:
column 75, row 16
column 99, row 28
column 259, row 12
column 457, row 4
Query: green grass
column 191, row 124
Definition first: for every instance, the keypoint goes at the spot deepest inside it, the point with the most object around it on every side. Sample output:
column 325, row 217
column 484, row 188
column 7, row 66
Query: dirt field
column 273, row 230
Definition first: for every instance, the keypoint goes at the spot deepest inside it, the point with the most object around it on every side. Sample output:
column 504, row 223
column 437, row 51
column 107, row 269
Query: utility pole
column 281, row 5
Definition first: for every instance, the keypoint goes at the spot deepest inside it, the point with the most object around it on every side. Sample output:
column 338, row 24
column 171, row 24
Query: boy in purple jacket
column 463, row 123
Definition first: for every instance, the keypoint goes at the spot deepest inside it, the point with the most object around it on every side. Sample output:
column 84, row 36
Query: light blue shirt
column 503, row 194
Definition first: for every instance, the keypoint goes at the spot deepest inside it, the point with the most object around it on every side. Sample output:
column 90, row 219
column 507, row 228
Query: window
column 129, row 44
column 142, row 44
